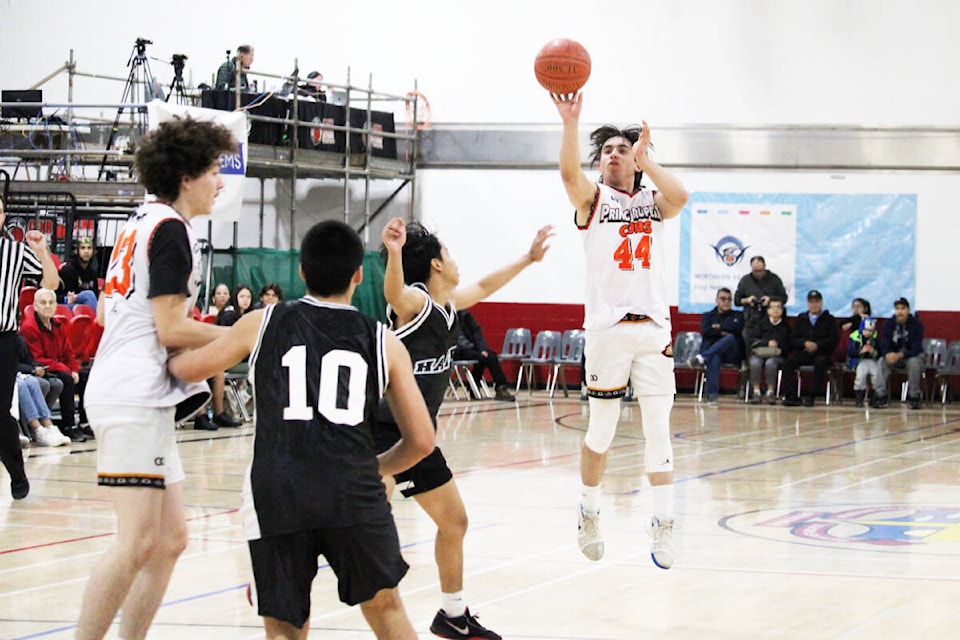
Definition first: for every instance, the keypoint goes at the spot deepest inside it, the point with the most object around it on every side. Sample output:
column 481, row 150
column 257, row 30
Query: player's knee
column 604, row 415
column 454, row 524
column 382, row 603
column 174, row 541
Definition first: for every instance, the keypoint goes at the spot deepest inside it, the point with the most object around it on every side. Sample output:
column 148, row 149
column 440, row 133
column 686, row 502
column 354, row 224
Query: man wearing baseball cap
column 901, row 346
column 815, row 335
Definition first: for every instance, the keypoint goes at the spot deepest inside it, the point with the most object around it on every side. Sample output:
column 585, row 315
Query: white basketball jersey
column 625, row 272
column 131, row 364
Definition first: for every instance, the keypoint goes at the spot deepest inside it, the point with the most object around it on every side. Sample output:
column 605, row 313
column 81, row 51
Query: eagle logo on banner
column 730, row 251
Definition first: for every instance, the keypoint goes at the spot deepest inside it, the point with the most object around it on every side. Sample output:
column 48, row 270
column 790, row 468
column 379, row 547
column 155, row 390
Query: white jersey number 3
column 350, row 388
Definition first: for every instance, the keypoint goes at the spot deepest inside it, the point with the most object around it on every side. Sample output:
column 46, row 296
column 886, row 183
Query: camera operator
column 227, row 73
column 755, row 291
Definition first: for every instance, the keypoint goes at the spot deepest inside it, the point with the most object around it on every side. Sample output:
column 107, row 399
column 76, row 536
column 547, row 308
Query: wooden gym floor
column 829, row 522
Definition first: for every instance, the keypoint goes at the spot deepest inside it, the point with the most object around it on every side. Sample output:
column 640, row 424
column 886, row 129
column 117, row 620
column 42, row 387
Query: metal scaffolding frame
column 288, row 162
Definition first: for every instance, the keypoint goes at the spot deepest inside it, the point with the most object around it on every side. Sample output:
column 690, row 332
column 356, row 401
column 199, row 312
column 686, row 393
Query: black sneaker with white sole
column 465, row 627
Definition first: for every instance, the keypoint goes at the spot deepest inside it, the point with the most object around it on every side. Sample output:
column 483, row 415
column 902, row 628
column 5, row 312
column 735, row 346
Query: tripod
column 139, row 88
column 176, row 86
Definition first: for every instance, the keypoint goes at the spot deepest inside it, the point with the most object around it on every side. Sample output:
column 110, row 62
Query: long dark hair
column 599, row 137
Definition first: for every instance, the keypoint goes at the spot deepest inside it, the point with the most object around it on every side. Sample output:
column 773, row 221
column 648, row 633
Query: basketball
column 562, row 66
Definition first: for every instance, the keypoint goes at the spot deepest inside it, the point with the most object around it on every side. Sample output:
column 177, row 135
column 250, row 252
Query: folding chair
column 462, row 371
column 947, row 370
column 545, row 350
column 685, row 346
column 571, row 355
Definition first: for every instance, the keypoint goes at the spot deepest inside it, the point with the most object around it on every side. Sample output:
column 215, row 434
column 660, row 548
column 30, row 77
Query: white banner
column 723, row 238
column 233, row 168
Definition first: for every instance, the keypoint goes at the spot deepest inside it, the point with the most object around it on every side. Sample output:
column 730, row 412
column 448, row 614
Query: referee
column 16, row 261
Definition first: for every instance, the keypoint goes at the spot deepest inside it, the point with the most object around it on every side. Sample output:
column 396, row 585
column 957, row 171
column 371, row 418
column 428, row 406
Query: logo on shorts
column 159, row 461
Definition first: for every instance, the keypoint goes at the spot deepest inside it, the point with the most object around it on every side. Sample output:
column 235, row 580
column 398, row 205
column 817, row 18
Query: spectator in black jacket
column 471, row 345
column 755, row 291
column 768, row 344
column 815, row 335
column 722, row 331
column 901, row 345
column 79, row 277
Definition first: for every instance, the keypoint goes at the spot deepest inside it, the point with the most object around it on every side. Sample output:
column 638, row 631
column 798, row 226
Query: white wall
column 489, row 217
column 668, row 61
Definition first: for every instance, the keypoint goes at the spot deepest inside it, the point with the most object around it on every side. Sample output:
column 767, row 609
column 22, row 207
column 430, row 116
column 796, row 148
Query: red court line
column 101, row 535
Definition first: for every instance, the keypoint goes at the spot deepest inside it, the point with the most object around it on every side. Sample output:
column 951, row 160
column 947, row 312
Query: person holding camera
column 755, row 291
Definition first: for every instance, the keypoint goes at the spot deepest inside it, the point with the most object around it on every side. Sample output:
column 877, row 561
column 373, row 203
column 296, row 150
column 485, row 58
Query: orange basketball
column 562, row 66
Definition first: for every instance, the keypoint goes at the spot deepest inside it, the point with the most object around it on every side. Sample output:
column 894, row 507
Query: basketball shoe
column 661, row 542
column 589, row 536
column 465, row 627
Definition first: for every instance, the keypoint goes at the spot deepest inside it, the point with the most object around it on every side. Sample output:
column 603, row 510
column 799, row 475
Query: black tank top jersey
column 319, row 371
column 430, row 338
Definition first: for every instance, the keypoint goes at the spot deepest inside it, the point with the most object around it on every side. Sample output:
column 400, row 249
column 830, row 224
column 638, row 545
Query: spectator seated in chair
column 50, row 386
column 51, row 347
column 901, row 344
column 471, row 345
column 815, row 335
column 219, row 300
column 270, row 293
column 722, row 330
column 240, row 303
column 863, row 357
column 79, row 276
column 36, row 414
column 769, row 343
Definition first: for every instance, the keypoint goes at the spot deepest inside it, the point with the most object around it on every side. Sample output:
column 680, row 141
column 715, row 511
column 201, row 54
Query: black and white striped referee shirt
column 16, row 260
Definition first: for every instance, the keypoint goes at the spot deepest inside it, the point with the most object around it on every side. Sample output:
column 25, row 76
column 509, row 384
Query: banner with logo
column 845, row 245
column 229, row 202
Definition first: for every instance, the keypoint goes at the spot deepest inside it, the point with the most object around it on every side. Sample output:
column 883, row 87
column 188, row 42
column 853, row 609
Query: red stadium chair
column 26, row 297
column 78, row 332
column 64, row 310
column 93, row 341
column 209, row 318
column 84, row 310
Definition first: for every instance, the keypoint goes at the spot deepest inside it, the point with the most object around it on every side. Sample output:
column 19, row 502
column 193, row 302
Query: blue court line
column 218, row 592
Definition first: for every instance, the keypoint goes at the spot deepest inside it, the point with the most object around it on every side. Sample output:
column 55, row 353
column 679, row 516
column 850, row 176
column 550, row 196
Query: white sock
column 453, row 604
column 663, row 501
column 590, row 499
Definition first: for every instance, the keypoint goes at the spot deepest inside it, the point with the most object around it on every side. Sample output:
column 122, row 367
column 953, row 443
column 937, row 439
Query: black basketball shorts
column 429, row 473
column 365, row 558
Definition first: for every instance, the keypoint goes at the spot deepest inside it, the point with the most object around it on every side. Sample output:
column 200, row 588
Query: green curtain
column 257, row 267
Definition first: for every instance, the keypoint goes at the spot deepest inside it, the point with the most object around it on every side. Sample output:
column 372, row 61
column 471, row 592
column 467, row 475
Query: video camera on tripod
column 140, row 46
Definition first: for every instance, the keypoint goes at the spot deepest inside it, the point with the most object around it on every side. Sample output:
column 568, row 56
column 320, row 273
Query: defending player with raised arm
column 319, row 368
column 627, row 302
column 421, row 285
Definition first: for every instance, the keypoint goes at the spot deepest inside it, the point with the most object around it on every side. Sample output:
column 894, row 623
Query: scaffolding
column 61, row 150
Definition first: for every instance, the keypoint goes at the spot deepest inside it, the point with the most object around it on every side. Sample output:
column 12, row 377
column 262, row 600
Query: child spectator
column 863, row 356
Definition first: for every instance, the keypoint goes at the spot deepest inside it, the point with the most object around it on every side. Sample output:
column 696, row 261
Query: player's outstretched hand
column 540, row 246
column 394, row 235
column 568, row 106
